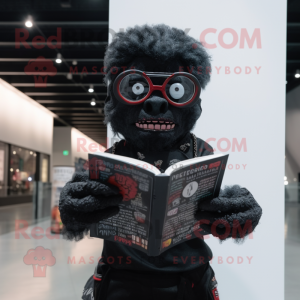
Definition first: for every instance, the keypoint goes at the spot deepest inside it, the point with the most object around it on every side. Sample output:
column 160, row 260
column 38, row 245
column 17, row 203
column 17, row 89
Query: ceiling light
column 74, row 62
column 297, row 74
column 29, row 179
column 93, row 102
column 286, row 182
column 91, row 89
column 28, row 22
column 58, row 58
column 69, row 76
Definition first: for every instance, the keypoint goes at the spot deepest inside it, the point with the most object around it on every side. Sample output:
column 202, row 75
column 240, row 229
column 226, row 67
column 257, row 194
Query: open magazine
column 157, row 211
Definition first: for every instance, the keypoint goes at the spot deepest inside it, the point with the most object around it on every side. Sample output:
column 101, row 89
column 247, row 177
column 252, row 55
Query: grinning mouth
column 155, row 125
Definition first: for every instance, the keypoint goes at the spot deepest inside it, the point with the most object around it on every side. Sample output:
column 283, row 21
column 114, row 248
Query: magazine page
column 131, row 225
column 188, row 185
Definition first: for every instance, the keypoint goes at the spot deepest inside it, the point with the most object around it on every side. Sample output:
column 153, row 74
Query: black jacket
column 183, row 257
column 234, row 204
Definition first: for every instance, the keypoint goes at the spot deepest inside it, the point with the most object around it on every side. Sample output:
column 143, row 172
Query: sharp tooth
column 163, row 127
column 154, row 121
column 161, row 121
column 168, row 126
column 150, row 126
column 157, row 127
column 137, row 124
column 167, row 122
column 145, row 126
column 148, row 121
column 173, row 125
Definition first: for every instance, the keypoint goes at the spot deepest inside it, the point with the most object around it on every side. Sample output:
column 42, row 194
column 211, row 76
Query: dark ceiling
column 84, row 36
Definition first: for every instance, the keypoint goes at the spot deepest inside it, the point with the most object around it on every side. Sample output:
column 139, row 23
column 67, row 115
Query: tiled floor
column 8, row 215
column 75, row 261
column 64, row 280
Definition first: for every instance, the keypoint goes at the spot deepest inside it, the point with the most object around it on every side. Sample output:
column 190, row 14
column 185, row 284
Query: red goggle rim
column 153, row 87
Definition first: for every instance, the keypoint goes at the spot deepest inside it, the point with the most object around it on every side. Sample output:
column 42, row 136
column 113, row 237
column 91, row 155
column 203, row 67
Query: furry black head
column 157, row 48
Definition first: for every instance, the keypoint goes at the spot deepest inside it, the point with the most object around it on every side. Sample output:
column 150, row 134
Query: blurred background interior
column 51, row 102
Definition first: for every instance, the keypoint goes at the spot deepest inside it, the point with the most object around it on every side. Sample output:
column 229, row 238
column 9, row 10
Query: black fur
column 234, row 204
column 83, row 202
column 161, row 43
column 154, row 49
column 123, row 117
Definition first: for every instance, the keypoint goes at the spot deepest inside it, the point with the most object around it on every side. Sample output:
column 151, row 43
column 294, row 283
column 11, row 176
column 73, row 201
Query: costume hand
column 235, row 213
column 83, row 202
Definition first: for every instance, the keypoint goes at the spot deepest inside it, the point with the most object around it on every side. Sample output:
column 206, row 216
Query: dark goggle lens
column 180, row 89
column 134, row 87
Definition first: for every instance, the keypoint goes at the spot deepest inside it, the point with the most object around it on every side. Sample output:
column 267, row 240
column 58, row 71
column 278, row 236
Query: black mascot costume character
column 156, row 130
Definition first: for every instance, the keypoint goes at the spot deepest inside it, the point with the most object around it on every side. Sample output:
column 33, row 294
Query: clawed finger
column 96, row 216
column 91, row 203
column 95, row 188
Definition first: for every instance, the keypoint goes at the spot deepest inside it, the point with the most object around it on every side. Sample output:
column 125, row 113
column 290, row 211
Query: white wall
column 24, row 122
column 245, row 106
column 292, row 154
column 82, row 145
column 62, row 141
column 292, row 166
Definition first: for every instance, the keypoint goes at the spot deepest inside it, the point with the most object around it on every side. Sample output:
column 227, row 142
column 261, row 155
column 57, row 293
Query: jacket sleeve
column 204, row 148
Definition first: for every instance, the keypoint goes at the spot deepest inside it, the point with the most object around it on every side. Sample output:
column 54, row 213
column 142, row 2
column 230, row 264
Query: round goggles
column 134, row 87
